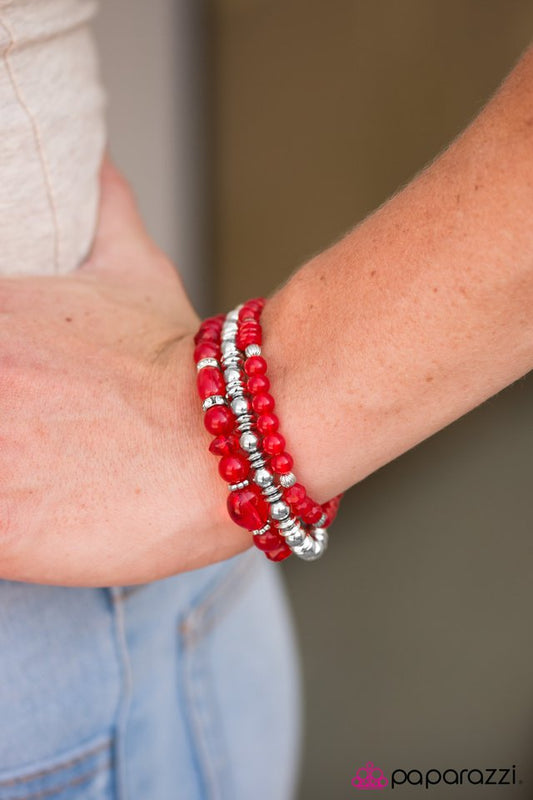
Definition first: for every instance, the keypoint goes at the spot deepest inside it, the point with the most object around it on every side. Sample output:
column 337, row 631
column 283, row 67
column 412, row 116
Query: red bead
column 249, row 311
column 281, row 553
column 248, row 508
column 303, row 507
column 263, row 403
column 267, row 423
column 255, row 365
column 273, row 443
column 295, row 494
column 206, row 350
column 268, row 541
column 281, row 463
column 233, row 468
column 330, row 508
column 219, row 419
column 313, row 515
column 224, row 445
column 207, row 335
column 210, row 381
column 258, row 384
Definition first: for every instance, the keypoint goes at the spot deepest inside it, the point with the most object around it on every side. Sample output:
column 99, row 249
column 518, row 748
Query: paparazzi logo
column 372, row 777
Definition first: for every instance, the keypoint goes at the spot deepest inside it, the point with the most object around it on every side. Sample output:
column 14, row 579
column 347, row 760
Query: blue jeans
column 187, row 687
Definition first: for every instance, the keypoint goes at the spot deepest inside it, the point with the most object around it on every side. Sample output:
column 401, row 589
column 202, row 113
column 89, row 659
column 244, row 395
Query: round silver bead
column 295, row 537
column 321, row 536
column 248, row 441
column 305, row 550
column 206, row 362
column 232, row 375
column 232, row 316
column 214, row 400
column 240, row 405
column 279, row 510
column 252, row 350
column 288, row 479
column 263, row 477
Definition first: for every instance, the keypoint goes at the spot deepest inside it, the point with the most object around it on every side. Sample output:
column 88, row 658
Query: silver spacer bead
column 252, row 350
column 320, row 535
column 240, row 406
column 249, row 442
column 263, row 477
column 272, row 493
column 207, row 362
column 234, row 390
column 264, row 529
column 233, row 487
column 214, row 400
column 322, row 521
column 233, row 316
column 279, row 510
column 257, row 460
column 288, row 479
column 245, row 422
column 286, row 524
column 228, row 334
column 232, row 375
column 231, row 360
column 229, row 349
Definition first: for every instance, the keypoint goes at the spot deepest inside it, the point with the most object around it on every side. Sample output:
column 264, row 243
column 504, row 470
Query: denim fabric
column 187, row 688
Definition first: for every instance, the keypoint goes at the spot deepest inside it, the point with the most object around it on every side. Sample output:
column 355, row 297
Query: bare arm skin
column 415, row 317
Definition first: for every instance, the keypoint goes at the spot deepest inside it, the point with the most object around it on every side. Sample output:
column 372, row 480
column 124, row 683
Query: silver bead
column 279, row 510
column 295, row 537
column 272, row 493
column 253, row 350
column 214, row 400
column 232, row 316
column 228, row 333
column 322, row 521
column 234, row 390
column 229, row 349
column 264, row 529
column 305, row 550
column 288, row 479
column 232, row 375
column 321, row 536
column 235, row 486
column 240, row 405
column 248, row 441
column 263, row 477
column 287, row 524
column 256, row 460
column 207, row 362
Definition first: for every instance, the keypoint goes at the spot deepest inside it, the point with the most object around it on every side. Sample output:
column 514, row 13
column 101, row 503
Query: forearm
column 419, row 314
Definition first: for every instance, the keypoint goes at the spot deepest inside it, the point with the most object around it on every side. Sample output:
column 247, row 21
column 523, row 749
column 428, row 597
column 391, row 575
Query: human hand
column 105, row 476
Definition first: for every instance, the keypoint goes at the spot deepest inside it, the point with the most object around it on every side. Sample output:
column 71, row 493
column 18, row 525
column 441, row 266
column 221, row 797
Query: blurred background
column 256, row 132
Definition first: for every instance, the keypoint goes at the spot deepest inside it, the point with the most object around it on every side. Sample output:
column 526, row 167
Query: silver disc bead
column 207, row 362
column 214, row 400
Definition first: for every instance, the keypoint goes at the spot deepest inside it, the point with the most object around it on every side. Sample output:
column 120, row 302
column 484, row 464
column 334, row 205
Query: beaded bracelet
column 238, row 410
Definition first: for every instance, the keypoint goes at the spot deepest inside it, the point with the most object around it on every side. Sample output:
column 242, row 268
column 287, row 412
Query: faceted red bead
column 263, row 403
column 295, row 494
column 281, row 553
column 248, row 508
column 249, row 311
column 273, row 443
column 207, row 335
column 255, row 365
column 303, row 507
column 210, row 381
column 206, row 350
column 268, row 541
column 267, row 423
column 219, row 419
column 331, row 507
column 224, row 445
column 258, row 384
column 281, row 463
column 233, row 468
column 313, row 515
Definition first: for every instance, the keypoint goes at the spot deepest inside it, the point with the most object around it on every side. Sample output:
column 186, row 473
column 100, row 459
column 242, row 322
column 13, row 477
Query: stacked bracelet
column 238, row 409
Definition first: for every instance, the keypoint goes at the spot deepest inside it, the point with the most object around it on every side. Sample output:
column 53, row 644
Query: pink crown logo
column 369, row 777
